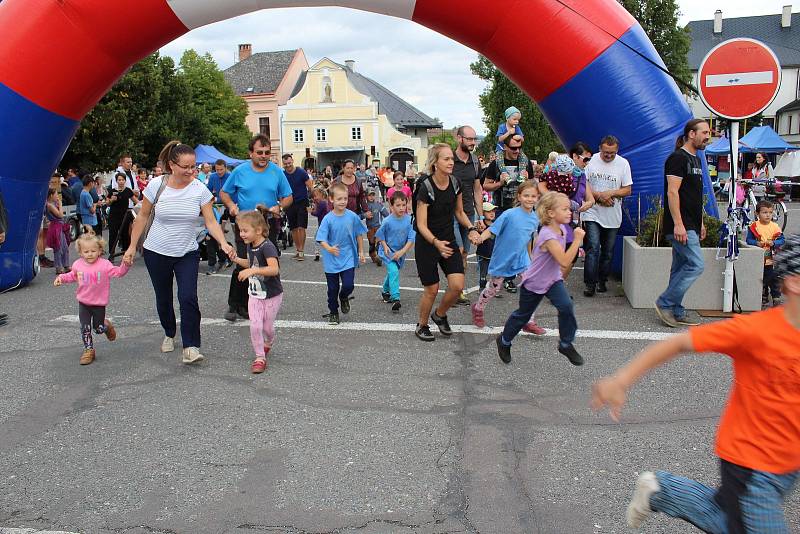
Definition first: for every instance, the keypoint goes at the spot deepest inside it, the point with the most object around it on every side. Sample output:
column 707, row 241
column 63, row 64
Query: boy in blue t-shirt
column 339, row 235
column 395, row 238
column 87, row 209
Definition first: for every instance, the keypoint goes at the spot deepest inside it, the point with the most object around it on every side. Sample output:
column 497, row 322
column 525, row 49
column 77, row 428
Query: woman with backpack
column 437, row 200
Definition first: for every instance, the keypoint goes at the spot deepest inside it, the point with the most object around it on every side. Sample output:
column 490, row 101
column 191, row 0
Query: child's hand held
column 57, row 281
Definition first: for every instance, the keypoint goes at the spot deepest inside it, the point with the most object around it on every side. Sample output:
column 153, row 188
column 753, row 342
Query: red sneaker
column 259, row 366
column 477, row 316
column 533, row 328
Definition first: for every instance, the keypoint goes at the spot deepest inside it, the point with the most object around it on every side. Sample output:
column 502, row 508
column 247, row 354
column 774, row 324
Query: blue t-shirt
column 502, row 129
column 85, row 209
column 251, row 187
column 216, row 183
column 378, row 211
column 340, row 231
column 396, row 231
column 513, row 232
column 297, row 181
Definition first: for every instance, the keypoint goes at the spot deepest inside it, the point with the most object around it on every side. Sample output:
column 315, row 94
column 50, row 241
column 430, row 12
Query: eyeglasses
column 468, row 138
column 587, row 160
column 184, row 167
column 514, row 148
column 261, row 152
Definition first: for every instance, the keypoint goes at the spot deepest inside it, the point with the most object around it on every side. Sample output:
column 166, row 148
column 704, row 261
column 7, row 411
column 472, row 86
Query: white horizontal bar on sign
column 739, row 78
column 196, row 13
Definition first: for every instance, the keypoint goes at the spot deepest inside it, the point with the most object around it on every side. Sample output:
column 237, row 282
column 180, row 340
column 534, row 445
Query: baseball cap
column 488, row 206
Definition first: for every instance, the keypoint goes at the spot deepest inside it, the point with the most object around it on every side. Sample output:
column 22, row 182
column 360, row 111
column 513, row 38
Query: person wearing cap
column 509, row 128
column 378, row 211
column 758, row 439
column 484, row 251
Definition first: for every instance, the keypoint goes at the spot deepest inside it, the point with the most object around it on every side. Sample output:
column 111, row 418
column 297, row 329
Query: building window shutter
column 263, row 126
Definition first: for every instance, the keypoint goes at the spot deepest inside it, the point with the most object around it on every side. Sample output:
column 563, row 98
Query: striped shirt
column 174, row 229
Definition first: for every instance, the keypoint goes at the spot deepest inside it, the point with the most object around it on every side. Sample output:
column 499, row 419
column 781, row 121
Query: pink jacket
column 94, row 280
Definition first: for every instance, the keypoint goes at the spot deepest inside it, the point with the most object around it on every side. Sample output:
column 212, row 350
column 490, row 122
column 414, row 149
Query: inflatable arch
column 587, row 63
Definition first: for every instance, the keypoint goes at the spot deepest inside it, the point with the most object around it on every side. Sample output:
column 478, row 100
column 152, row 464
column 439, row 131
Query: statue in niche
column 326, row 91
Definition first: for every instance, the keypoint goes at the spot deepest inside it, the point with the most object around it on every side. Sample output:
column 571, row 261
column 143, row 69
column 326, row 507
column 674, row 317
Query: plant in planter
column 651, row 234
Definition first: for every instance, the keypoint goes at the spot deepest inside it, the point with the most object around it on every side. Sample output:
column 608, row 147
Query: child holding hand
column 395, row 238
column 261, row 268
column 93, row 275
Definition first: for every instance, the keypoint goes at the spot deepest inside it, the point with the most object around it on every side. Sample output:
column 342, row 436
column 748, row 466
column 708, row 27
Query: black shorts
column 297, row 214
column 429, row 260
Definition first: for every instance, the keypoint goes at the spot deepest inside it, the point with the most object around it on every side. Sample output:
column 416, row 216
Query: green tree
column 445, row 137
column 659, row 20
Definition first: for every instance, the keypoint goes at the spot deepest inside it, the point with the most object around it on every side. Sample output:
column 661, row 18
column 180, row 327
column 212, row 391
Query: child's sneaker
column 333, row 318
column 477, row 315
column 503, row 350
column 639, row 507
column 316, row 256
column 532, row 328
column 168, row 345
column 396, row 305
column 386, row 297
column 111, row 332
column 192, row 355
column 572, row 355
column 345, row 304
column 87, row 357
column 259, row 366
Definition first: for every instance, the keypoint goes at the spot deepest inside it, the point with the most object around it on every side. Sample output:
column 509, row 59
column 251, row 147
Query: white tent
column 788, row 165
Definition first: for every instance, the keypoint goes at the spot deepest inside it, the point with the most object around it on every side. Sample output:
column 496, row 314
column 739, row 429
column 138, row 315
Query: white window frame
column 299, row 136
column 353, row 131
column 321, row 135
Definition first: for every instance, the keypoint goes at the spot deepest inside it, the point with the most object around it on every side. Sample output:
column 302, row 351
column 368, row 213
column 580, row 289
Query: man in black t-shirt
column 683, row 220
column 503, row 175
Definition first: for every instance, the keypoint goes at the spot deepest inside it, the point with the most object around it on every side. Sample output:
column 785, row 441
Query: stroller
column 284, row 238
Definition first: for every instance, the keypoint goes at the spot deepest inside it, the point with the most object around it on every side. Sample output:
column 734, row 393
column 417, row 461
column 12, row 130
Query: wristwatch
column 471, row 228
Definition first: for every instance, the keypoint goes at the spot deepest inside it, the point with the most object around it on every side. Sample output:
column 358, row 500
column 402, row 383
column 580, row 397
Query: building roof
column 260, row 73
column 397, row 110
column 791, row 106
column 785, row 42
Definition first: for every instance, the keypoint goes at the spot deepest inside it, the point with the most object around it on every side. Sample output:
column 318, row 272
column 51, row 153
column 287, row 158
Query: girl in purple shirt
column 544, row 278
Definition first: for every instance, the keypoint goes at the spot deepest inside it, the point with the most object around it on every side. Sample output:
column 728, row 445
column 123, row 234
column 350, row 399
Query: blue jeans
column 599, row 247
column 687, row 266
column 462, row 234
column 391, row 283
column 746, row 501
column 529, row 301
column 184, row 268
column 335, row 292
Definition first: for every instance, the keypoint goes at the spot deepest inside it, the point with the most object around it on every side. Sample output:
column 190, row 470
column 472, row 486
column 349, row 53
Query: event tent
column 210, row 154
column 759, row 139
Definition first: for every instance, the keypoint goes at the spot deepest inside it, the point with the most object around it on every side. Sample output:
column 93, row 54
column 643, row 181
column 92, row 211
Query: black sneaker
column 504, row 351
column 386, row 297
column 441, row 322
column 589, row 291
column 345, row 302
column 231, row 314
column 571, row 354
column 510, row 286
column 316, row 256
column 601, row 287
column 333, row 318
column 396, row 305
column 424, row 333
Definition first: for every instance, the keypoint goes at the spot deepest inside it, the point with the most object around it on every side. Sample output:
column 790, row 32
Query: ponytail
column 171, row 152
column 690, row 127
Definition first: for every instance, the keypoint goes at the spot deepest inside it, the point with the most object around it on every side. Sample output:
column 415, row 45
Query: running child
column 262, row 269
column 320, row 208
column 339, row 235
column 378, row 211
column 93, row 275
column 544, row 278
column 400, row 185
column 765, row 233
column 513, row 232
column 758, row 439
column 395, row 238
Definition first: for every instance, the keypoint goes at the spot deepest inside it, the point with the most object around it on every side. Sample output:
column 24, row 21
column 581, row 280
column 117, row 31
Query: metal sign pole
column 733, row 233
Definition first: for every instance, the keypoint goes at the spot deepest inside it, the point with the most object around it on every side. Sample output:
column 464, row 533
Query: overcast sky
column 426, row 69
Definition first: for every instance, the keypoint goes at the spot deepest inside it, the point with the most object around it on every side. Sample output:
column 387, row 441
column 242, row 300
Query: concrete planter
column 645, row 273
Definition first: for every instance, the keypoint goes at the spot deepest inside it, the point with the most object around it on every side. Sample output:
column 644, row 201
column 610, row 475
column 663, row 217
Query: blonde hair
column 433, row 156
column 88, row 238
column 549, row 202
column 551, row 157
column 338, row 186
column 255, row 218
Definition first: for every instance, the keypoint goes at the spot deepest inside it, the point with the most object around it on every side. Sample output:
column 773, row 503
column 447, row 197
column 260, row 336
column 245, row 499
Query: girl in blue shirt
column 395, row 238
column 513, row 232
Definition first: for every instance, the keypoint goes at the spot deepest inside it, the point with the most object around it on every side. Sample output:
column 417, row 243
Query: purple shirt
column 544, row 270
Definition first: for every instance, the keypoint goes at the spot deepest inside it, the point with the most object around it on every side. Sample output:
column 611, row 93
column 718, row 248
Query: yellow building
column 336, row 113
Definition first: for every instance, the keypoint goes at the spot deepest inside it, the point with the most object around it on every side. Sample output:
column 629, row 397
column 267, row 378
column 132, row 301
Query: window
column 322, row 135
column 263, row 126
column 355, row 133
column 789, row 126
column 298, row 136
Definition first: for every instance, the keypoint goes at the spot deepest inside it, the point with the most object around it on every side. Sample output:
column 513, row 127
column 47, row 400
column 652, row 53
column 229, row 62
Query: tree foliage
column 444, row 137
column 156, row 101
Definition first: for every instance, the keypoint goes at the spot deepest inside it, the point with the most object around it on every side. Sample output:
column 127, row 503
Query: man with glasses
column 467, row 169
column 257, row 182
column 510, row 168
column 609, row 176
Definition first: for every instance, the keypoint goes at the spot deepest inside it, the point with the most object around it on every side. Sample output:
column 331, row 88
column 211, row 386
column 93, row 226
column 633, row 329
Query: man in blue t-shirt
column 258, row 182
column 297, row 213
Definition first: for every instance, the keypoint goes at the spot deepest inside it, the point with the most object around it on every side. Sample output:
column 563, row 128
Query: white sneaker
column 639, row 507
column 192, row 355
column 168, row 345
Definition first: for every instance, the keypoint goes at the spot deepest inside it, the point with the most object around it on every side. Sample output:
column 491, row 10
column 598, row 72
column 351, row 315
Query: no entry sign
column 739, row 78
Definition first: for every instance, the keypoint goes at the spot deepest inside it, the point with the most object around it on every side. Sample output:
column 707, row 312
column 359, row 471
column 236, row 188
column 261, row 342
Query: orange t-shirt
column 760, row 427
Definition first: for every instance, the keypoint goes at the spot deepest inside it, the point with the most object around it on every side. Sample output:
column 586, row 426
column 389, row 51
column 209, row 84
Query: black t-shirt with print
column 688, row 167
column 506, row 196
column 263, row 286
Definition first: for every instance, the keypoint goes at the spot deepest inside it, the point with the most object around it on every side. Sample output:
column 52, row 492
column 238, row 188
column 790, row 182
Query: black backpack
column 424, row 186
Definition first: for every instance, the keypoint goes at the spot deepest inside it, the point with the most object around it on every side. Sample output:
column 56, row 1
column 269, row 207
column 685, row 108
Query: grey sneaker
column 192, row 355
column 639, row 507
column 168, row 345
column 666, row 317
column 686, row 320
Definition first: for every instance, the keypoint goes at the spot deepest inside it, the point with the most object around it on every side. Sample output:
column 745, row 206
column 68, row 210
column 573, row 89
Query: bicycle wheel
column 779, row 215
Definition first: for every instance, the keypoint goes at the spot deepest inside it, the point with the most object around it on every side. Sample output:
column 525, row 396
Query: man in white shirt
column 126, row 168
column 609, row 176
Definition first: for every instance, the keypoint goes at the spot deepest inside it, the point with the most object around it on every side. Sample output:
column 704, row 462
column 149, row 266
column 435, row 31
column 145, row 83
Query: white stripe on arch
column 196, row 13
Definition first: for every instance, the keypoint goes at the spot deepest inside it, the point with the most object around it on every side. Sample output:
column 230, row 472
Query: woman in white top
column 170, row 248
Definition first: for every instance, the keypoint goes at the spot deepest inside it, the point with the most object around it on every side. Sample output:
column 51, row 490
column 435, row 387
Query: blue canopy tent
column 210, row 154
column 720, row 147
column 759, row 139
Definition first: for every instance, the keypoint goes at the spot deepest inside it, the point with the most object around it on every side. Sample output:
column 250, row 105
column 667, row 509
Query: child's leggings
column 91, row 317
column 529, row 301
column 335, row 293
column 262, row 314
column 391, row 283
column 746, row 501
column 494, row 284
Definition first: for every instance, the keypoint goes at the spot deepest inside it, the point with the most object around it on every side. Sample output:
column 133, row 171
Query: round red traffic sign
column 739, row 78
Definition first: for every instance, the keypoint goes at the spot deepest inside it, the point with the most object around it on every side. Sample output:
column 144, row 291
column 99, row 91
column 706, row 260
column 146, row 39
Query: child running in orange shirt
column 758, row 440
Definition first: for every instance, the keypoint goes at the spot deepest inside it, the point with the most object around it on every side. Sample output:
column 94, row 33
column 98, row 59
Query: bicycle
column 779, row 213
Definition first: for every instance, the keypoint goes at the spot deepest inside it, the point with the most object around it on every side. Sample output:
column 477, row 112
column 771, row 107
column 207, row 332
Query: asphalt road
column 360, row 428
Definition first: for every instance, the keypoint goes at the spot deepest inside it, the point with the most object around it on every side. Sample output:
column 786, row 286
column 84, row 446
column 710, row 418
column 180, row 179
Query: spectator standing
column 297, row 212
column 126, row 167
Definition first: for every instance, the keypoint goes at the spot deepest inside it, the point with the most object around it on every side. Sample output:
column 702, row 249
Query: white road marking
column 735, row 79
column 409, row 327
column 371, row 286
